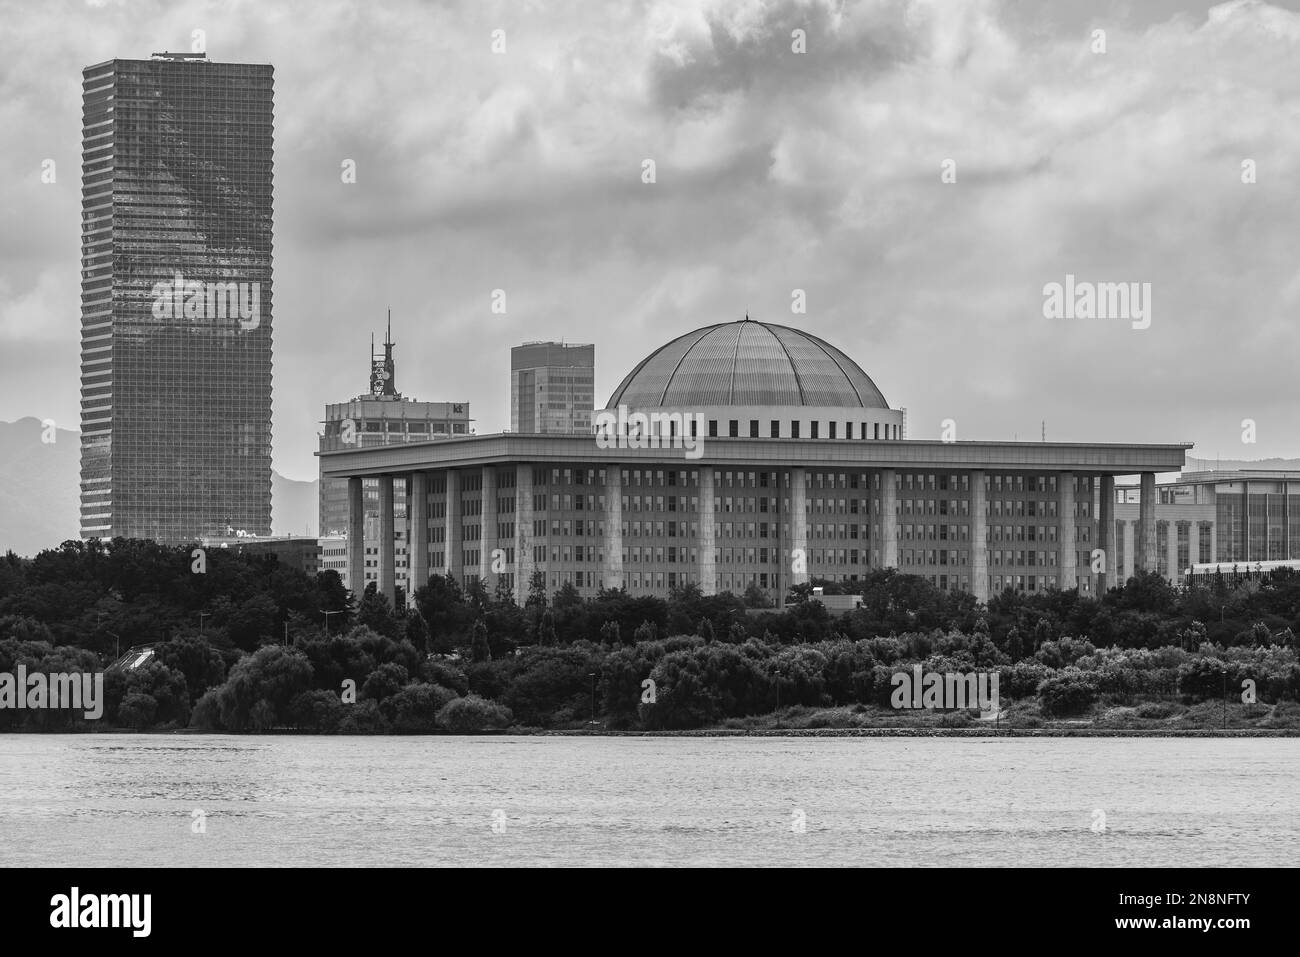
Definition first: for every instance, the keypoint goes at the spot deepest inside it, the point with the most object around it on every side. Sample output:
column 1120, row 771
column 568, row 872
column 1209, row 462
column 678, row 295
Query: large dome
column 747, row 363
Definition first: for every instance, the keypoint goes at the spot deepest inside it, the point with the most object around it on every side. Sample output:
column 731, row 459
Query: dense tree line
column 248, row 645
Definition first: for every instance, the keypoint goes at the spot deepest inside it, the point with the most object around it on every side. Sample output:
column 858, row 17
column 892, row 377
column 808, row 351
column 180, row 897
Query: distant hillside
column 40, row 485
column 1210, row 465
column 295, row 508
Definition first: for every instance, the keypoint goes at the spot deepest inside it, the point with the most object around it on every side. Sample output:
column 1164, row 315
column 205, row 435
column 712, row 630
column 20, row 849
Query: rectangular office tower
column 552, row 388
column 176, row 298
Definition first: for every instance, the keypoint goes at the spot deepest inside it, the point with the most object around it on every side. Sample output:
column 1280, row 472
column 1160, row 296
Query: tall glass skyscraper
column 176, row 298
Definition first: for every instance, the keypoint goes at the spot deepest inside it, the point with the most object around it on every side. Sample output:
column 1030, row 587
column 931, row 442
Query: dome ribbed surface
column 747, row 363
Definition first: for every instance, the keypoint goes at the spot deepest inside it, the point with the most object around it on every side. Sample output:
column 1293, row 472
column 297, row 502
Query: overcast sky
column 775, row 171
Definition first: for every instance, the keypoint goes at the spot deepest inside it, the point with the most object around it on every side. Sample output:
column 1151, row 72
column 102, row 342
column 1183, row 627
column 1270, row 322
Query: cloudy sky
column 775, row 171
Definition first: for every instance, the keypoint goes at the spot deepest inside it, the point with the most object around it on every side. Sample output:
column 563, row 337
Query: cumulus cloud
column 776, row 170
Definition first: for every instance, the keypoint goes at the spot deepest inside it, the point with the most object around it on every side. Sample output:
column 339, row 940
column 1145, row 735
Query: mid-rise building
column 292, row 551
column 176, row 300
column 552, row 388
column 381, row 417
column 1226, row 518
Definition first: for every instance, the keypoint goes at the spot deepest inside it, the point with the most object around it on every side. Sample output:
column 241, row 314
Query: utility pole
column 327, row 618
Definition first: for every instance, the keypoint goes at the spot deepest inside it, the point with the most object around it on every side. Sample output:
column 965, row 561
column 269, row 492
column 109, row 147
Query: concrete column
column 1286, row 520
column 612, row 570
column 1065, row 534
column 708, row 567
column 417, row 536
column 1193, row 542
column 1244, row 544
column 387, row 541
column 487, row 529
column 525, row 564
column 888, row 518
column 1147, row 522
column 1130, row 551
column 454, row 546
column 799, row 571
column 1171, row 545
column 1214, row 539
column 356, row 536
column 1111, row 574
column 979, row 537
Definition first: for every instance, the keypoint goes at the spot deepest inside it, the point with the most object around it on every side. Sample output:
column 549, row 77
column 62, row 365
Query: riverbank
column 1021, row 720
column 924, row 733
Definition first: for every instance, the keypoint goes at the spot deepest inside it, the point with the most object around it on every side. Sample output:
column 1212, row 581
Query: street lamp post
column 202, row 615
column 1225, row 699
column 327, row 618
column 592, row 676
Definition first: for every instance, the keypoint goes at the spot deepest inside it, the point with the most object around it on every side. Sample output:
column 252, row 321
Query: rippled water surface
column 130, row 799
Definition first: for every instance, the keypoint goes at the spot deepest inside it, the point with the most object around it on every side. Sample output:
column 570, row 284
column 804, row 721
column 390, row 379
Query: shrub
column 1157, row 710
column 206, row 715
column 1063, row 652
column 445, row 673
column 1203, row 679
column 137, row 710
column 315, row 710
column 384, row 682
column 263, row 717
column 848, row 672
column 364, row 717
column 415, row 708
column 550, row 686
column 955, row 719
column 273, row 675
column 473, row 713
column 1022, row 679
column 1069, row 691
column 165, row 686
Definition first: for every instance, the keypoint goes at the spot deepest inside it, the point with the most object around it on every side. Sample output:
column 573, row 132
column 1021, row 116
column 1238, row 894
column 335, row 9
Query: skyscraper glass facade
column 176, row 298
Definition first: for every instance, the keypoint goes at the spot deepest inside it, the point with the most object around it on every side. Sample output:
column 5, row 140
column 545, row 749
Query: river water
column 132, row 800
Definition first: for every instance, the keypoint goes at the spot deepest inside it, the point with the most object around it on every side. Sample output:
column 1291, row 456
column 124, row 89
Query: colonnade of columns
column 792, row 541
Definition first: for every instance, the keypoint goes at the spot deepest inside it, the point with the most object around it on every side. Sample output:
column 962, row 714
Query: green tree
column 480, row 650
column 546, row 629
column 609, row 633
column 1015, row 645
column 376, row 613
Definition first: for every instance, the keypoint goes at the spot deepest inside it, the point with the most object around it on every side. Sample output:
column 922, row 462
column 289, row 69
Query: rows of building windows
column 830, row 429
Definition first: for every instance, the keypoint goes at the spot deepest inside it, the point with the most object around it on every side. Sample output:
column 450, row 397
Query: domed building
column 759, row 380
column 752, row 455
